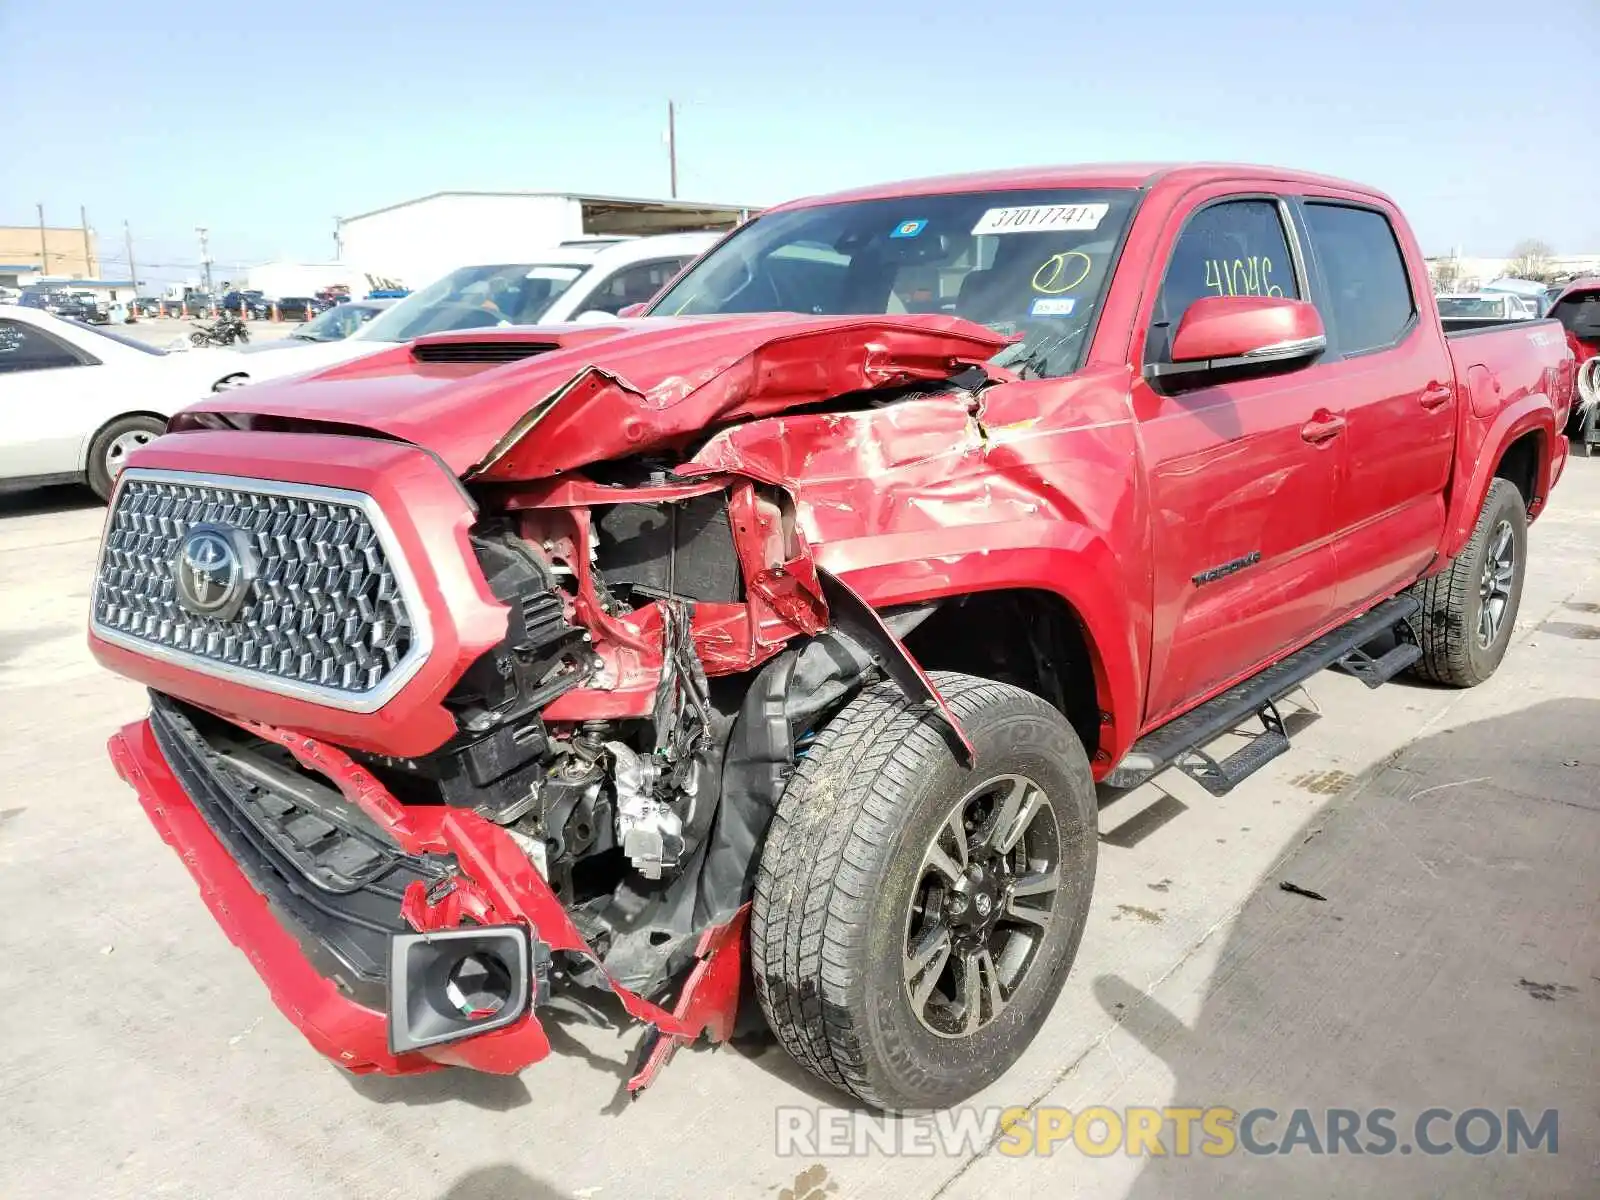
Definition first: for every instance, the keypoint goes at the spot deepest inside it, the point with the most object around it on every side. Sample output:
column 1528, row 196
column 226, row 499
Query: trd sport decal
column 1212, row 574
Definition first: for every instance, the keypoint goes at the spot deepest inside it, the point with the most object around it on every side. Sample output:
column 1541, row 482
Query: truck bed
column 1466, row 326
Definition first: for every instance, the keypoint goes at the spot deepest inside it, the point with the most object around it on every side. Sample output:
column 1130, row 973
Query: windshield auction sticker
column 1041, row 218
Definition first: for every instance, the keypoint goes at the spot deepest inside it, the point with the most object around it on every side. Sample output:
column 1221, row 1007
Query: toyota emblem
column 212, row 571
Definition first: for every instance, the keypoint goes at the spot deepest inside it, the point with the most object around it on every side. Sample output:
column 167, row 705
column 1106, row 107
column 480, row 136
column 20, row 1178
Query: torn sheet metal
column 608, row 391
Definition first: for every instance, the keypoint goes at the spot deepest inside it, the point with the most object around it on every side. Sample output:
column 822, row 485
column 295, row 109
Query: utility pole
column 90, row 267
column 44, row 254
column 672, row 146
column 133, row 271
column 205, row 255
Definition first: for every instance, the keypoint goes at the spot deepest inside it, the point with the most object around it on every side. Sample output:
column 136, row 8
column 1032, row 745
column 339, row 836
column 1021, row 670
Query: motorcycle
column 224, row 331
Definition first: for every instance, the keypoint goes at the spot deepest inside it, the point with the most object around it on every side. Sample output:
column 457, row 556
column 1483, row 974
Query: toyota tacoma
column 783, row 632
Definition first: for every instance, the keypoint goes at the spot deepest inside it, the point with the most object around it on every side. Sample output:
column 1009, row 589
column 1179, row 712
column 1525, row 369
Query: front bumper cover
column 495, row 885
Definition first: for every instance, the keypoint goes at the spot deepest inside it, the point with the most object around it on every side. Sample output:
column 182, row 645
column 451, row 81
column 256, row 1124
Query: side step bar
column 1179, row 742
column 1375, row 672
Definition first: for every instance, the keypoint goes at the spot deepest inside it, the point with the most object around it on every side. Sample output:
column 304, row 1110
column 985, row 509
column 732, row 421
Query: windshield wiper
column 1031, row 362
column 1035, row 359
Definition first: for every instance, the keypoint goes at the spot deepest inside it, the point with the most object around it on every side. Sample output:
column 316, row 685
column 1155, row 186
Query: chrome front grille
column 331, row 613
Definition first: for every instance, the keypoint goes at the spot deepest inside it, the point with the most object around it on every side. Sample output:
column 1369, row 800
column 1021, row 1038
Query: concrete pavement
column 1454, row 962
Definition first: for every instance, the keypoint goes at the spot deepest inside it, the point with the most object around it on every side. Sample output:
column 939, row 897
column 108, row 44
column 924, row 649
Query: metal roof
column 88, row 284
column 581, row 197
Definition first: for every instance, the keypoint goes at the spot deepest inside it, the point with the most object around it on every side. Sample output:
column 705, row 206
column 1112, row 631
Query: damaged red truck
column 505, row 676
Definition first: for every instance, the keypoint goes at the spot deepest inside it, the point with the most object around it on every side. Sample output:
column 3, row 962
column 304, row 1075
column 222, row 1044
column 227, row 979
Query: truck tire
column 113, row 444
column 1470, row 608
column 877, row 970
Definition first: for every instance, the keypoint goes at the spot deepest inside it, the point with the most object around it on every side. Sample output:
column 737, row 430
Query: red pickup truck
column 793, row 623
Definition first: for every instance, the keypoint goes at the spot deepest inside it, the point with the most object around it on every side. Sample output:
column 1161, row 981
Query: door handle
column 1436, row 395
column 1323, row 426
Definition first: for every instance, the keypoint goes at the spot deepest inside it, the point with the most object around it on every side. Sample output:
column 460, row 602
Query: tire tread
column 824, row 851
column 1442, row 627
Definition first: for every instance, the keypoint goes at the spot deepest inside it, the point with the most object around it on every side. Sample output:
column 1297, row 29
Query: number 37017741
column 1241, row 276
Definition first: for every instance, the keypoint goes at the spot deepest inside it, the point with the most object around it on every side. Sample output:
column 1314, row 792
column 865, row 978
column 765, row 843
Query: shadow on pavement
column 495, row 1093
column 1453, row 964
column 41, row 501
column 503, row 1181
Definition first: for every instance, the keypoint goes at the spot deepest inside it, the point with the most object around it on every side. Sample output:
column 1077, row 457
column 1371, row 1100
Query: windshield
column 1471, row 306
column 1030, row 263
column 474, row 298
column 338, row 323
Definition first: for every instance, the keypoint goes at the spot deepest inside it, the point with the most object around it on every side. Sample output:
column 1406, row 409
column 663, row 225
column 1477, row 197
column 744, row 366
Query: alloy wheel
column 1494, row 586
column 982, row 905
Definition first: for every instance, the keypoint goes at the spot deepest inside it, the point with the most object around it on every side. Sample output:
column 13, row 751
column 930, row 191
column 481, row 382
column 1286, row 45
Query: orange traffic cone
column 275, row 315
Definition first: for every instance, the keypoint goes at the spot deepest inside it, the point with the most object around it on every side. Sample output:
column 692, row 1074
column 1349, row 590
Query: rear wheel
column 914, row 920
column 1470, row 608
column 110, row 449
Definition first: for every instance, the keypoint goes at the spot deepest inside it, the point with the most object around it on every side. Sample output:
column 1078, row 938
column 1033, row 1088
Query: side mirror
column 631, row 310
column 1223, row 332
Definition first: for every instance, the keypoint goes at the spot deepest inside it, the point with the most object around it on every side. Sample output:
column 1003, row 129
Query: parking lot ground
column 164, row 331
column 1454, row 962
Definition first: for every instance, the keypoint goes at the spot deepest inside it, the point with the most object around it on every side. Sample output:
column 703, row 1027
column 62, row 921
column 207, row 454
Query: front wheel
column 1470, row 608
column 108, row 454
column 914, row 920
column 198, row 339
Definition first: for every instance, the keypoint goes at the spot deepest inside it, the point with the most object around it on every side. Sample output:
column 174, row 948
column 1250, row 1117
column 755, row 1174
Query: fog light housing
column 456, row 983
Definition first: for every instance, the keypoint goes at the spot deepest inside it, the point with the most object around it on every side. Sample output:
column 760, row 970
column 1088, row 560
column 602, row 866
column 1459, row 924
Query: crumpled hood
column 587, row 393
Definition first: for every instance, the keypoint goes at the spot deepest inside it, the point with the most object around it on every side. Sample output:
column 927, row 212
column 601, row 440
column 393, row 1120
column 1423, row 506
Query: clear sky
column 264, row 120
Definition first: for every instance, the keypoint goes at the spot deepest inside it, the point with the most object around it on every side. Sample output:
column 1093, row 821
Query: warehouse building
column 27, row 250
column 417, row 241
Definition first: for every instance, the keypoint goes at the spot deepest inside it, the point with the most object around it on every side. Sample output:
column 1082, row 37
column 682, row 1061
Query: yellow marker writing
column 1054, row 276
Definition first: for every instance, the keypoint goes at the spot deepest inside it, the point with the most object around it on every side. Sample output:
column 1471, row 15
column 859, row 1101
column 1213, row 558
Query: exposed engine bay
column 644, row 822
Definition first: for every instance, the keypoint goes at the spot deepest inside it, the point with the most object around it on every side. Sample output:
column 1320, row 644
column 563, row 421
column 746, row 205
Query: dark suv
column 256, row 305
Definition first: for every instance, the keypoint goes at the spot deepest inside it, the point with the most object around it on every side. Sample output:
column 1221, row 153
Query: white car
column 588, row 280
column 1499, row 306
column 76, row 400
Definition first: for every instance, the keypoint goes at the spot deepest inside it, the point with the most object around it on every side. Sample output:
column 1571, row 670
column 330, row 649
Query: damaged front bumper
column 462, row 876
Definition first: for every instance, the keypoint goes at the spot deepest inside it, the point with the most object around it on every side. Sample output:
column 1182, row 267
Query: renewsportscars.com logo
column 1100, row 1131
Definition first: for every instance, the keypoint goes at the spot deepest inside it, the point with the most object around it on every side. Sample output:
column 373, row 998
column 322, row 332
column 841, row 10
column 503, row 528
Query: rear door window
column 1368, row 303
column 24, row 348
column 1232, row 248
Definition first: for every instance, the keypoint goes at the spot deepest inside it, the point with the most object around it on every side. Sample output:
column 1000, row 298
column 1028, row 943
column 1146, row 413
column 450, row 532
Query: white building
column 417, row 241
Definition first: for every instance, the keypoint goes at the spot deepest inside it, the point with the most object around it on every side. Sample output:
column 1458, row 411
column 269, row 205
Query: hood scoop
column 498, row 351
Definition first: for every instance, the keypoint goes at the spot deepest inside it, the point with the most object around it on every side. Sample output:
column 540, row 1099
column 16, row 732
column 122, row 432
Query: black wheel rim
column 1494, row 586
column 980, row 910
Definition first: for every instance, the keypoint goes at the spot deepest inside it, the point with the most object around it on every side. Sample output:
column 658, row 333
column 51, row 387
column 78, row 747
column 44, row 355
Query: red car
column 1577, row 307
column 793, row 624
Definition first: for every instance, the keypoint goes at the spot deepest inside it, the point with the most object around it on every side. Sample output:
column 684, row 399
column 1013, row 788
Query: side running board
column 1180, row 741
